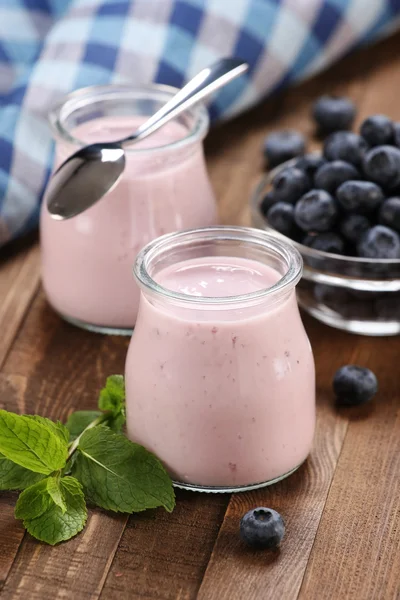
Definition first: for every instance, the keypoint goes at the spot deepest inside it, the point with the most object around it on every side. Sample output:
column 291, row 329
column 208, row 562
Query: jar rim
column 85, row 96
column 243, row 235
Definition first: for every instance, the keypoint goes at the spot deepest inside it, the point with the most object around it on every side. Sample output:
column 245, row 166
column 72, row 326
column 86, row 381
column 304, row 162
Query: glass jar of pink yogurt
column 220, row 379
column 86, row 261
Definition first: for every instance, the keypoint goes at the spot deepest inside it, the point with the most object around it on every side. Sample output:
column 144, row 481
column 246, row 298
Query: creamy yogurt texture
column 225, row 397
column 87, row 261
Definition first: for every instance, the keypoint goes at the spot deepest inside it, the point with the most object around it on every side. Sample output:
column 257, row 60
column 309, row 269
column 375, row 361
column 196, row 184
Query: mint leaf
column 119, row 475
column 112, row 397
column 79, row 420
column 58, row 428
column 14, row 477
column 31, row 444
column 53, row 510
column 55, row 493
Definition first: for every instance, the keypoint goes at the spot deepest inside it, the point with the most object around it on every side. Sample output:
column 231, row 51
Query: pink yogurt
column 87, row 260
column 224, row 396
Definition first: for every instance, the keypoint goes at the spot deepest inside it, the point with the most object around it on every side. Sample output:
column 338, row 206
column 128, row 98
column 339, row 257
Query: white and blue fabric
column 51, row 47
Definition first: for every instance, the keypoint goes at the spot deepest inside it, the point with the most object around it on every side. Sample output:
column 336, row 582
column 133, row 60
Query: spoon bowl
column 88, row 174
column 83, row 167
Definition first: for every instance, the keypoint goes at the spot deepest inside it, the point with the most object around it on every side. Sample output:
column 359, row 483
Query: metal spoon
column 92, row 171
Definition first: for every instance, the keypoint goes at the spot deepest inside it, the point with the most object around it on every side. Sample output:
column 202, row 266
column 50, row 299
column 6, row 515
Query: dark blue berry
column 281, row 146
column 354, row 385
column 262, row 528
column 281, row 217
column 290, row 184
column 387, row 307
column 332, row 174
column 353, row 227
column 347, row 146
column 379, row 242
column 396, row 134
column 332, row 296
column 315, row 211
column 377, row 130
column 389, row 213
column 325, row 242
column 359, row 196
column 333, row 113
column 382, row 165
column 310, row 163
column 266, row 203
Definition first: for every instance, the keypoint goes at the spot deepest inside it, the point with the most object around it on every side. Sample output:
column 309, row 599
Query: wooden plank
column 19, row 279
column 234, row 572
column 164, row 556
column 76, row 569
column 11, row 534
column 356, row 553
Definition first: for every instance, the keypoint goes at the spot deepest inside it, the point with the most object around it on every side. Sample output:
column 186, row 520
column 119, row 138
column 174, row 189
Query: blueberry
column 379, row 242
column 396, row 134
column 382, row 165
column 359, row 196
column 389, row 213
column 326, row 242
column 262, row 528
column 332, row 174
column 333, row 113
column 310, row 163
column 377, row 130
column 281, row 217
column 280, row 146
column 354, row 385
column 315, row 211
column 353, row 227
column 387, row 307
column 290, row 184
column 347, row 146
column 266, row 203
column 333, row 297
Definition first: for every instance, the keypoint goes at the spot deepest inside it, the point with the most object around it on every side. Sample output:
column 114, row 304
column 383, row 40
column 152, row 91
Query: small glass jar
column 222, row 388
column 86, row 261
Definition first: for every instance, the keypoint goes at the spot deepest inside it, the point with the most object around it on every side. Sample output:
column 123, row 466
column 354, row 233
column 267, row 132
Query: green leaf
column 44, row 517
column 14, row 477
column 79, row 420
column 55, row 492
column 119, row 475
column 112, row 397
column 31, row 444
column 58, row 428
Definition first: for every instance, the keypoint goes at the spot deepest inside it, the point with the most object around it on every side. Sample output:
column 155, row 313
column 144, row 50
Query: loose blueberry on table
column 262, row 528
column 354, row 385
column 346, row 201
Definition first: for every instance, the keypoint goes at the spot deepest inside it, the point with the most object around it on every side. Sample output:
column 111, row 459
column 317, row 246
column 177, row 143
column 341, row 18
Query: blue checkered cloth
column 51, row 47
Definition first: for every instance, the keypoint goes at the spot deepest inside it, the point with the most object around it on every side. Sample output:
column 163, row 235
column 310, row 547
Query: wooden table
column 342, row 508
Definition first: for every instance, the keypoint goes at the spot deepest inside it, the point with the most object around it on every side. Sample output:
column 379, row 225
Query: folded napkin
column 51, row 47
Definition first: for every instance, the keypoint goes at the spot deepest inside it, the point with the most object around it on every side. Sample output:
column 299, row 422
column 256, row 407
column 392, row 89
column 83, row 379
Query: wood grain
column 76, row 569
column 166, row 555
column 356, row 553
column 19, row 279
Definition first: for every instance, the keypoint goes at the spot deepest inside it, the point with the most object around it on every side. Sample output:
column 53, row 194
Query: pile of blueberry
column 346, row 201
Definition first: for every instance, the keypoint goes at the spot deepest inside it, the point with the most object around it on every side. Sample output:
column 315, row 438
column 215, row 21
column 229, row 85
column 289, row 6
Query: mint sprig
column 59, row 467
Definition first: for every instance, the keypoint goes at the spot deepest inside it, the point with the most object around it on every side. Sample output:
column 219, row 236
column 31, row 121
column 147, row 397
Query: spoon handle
column 204, row 83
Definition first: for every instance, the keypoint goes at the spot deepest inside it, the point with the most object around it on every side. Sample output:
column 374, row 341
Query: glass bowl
column 355, row 294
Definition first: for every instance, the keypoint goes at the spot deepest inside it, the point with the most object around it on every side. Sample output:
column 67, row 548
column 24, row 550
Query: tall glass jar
column 86, row 261
column 221, row 387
